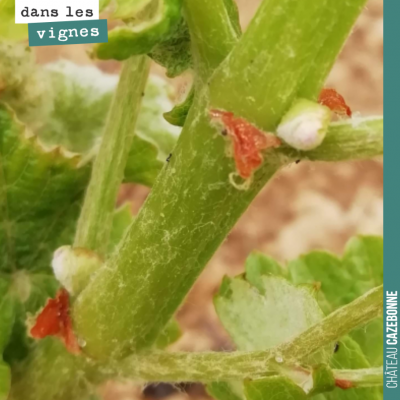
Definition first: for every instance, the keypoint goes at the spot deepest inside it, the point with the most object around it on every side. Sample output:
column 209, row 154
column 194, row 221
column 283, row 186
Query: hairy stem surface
column 193, row 206
column 36, row 379
column 360, row 377
column 213, row 35
column 350, row 139
column 212, row 366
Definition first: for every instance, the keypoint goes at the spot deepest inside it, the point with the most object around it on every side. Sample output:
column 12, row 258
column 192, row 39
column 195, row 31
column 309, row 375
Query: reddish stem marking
column 54, row 320
column 248, row 141
column 333, row 100
column 343, row 384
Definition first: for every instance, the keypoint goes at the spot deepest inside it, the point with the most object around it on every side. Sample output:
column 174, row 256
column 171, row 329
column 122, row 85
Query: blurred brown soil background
column 307, row 206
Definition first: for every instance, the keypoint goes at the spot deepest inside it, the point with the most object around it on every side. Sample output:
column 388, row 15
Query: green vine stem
column 212, row 366
column 359, row 138
column 360, row 377
column 192, row 206
column 35, row 376
column 212, row 32
column 94, row 224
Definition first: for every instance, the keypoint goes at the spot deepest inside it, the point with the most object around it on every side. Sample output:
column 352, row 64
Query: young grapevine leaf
column 257, row 265
column 343, row 280
column 174, row 53
column 66, row 105
column 263, row 316
column 40, row 192
column 336, row 282
column 153, row 27
column 82, row 96
column 262, row 311
column 142, row 34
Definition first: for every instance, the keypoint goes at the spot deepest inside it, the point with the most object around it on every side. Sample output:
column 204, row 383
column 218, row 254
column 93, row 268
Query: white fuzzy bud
column 305, row 125
column 73, row 267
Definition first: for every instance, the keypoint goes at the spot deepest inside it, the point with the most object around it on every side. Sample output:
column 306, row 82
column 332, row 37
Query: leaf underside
column 263, row 309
